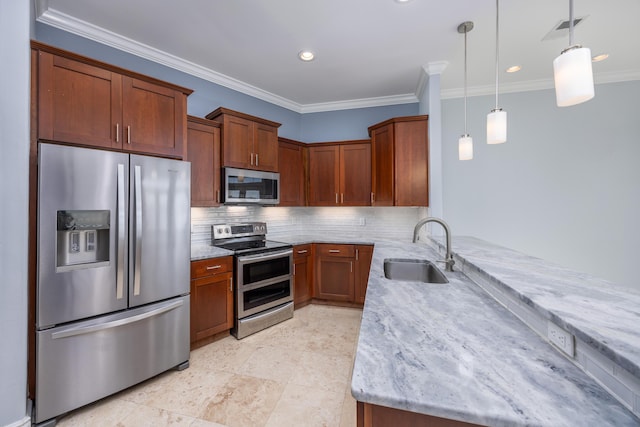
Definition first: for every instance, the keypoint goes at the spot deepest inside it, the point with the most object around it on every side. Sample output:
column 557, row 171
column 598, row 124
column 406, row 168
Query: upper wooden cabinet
column 399, row 160
column 203, row 151
column 340, row 174
column 292, row 158
column 247, row 142
column 86, row 102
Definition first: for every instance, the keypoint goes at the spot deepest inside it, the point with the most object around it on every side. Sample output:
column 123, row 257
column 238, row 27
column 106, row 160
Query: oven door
column 263, row 281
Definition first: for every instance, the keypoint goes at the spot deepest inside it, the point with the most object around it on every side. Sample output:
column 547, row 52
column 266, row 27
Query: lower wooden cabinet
column 302, row 275
column 342, row 272
column 211, row 298
column 364, row 254
column 369, row 415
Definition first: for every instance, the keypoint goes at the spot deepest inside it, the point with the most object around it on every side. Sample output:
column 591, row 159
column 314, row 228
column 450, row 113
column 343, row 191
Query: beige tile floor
column 297, row 373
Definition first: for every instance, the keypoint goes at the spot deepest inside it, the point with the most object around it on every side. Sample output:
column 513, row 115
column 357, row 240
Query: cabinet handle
column 294, row 269
column 251, row 159
column 304, row 251
column 231, row 284
column 257, row 159
column 117, row 132
column 356, row 254
column 342, row 198
column 213, row 267
column 373, row 198
column 336, row 198
column 334, row 251
column 351, row 264
column 128, row 134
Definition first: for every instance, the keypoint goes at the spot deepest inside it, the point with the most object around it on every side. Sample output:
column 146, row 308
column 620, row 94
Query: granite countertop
column 203, row 250
column 578, row 302
column 452, row 351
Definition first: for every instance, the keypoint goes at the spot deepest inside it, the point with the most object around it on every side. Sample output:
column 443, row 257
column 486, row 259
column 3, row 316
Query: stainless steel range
column 263, row 276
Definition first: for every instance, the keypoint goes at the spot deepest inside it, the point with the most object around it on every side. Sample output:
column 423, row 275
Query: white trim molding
column 49, row 16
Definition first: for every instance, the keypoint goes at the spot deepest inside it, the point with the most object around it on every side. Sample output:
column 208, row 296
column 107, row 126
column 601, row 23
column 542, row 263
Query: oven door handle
column 264, row 256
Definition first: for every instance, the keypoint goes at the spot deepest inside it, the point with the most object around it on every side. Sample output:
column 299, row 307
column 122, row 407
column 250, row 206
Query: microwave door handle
column 121, row 233
column 137, row 267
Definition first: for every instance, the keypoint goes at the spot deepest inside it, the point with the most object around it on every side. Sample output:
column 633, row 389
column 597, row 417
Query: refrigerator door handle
column 122, row 238
column 71, row 332
column 138, row 224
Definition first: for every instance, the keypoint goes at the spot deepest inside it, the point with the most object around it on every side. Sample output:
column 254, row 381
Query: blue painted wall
column 207, row 96
column 344, row 125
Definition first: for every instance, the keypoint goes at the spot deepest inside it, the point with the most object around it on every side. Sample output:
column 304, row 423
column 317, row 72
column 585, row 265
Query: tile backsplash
column 358, row 222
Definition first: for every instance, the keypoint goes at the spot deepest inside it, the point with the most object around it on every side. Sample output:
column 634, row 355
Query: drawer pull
column 304, row 251
column 214, row 267
column 334, row 251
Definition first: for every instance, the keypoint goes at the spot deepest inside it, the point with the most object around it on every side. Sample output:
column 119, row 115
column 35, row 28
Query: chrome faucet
column 447, row 231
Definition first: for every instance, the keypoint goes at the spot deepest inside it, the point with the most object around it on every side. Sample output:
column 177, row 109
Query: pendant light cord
column 465, row 82
column 570, row 22
column 497, row 51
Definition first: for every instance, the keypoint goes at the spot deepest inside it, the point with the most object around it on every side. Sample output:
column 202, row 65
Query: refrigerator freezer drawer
column 85, row 361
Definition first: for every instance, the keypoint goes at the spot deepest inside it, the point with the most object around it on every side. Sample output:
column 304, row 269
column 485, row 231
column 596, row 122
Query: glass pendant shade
column 496, row 126
column 465, row 148
column 573, row 76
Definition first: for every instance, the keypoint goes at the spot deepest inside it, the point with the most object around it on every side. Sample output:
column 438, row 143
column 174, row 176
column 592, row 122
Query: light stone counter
column 205, row 250
column 452, row 351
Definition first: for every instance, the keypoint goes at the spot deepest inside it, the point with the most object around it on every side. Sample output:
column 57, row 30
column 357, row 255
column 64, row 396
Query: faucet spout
column 447, row 231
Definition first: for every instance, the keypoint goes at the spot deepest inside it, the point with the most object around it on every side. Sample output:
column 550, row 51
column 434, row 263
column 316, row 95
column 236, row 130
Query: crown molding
column 431, row 69
column 68, row 23
column 533, row 85
column 380, row 101
column 46, row 15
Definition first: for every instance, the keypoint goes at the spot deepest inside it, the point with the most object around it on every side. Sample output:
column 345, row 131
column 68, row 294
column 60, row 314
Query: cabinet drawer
column 301, row 251
column 325, row 249
column 210, row 266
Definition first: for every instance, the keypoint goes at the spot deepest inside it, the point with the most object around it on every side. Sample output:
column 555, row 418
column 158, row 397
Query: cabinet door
column 203, row 151
column 302, row 274
column 411, row 163
column 382, row 166
column 154, row 118
column 237, row 142
column 335, row 278
column 211, row 305
column 265, row 148
column 291, row 164
column 364, row 254
column 355, row 175
column 324, row 175
column 78, row 103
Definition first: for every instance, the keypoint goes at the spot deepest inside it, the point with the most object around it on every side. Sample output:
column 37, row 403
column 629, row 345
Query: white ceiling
column 369, row 52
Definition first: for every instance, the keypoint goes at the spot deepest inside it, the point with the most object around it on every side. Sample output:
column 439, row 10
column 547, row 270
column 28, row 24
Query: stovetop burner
column 244, row 238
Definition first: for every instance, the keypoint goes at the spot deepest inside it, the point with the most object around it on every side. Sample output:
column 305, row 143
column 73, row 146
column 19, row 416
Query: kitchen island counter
column 452, row 351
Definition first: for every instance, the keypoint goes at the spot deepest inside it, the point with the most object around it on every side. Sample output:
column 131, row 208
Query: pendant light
column 572, row 72
column 465, row 143
column 497, row 118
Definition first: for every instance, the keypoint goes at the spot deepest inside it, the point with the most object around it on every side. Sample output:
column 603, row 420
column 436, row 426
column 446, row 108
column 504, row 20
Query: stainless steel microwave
column 244, row 187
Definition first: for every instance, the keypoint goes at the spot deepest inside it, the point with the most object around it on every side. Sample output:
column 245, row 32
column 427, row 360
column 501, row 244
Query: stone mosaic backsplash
column 362, row 222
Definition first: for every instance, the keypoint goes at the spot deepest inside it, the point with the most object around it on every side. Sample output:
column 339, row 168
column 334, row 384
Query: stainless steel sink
column 414, row 270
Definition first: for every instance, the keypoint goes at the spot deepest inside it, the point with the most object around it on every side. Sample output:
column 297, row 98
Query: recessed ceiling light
column 600, row 57
column 514, row 69
column 403, row 1
column 306, row 55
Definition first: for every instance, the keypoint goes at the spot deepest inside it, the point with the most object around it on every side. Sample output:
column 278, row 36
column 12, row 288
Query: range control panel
column 226, row 231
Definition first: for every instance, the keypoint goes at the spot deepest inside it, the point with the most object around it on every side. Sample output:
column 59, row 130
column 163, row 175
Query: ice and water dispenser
column 82, row 239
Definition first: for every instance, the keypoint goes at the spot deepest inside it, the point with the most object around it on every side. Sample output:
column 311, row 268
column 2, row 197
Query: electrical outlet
column 363, row 221
column 560, row 338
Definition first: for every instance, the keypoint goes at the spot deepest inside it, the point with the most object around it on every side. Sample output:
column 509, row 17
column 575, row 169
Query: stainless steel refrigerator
column 112, row 305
